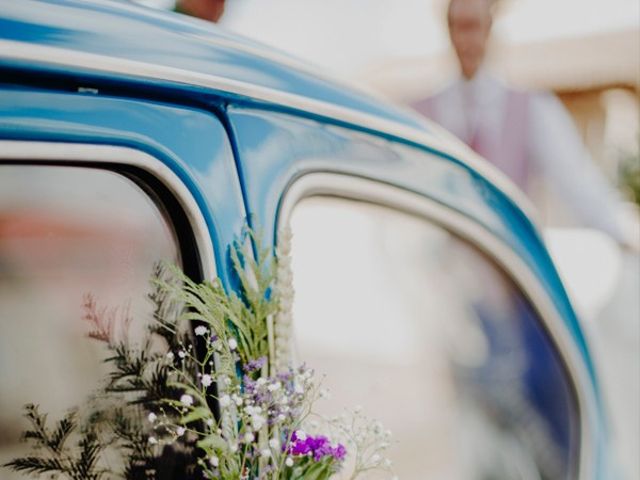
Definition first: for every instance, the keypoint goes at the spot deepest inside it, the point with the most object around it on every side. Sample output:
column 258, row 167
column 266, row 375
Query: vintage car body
column 223, row 130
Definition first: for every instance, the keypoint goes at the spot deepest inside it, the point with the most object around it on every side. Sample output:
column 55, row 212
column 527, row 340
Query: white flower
column 225, row 401
column 289, row 462
column 233, row 448
column 265, row 453
column 170, row 356
column 182, row 354
column 206, row 380
column 214, row 461
column 153, row 440
column 284, row 286
column 249, row 437
column 274, row 443
column 201, row 330
column 233, row 344
column 152, row 417
column 209, row 422
column 257, row 421
column 274, row 387
column 301, row 435
column 186, row 400
column 180, row 431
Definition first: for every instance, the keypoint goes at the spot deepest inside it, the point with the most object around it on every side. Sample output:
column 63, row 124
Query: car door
column 95, row 190
column 426, row 296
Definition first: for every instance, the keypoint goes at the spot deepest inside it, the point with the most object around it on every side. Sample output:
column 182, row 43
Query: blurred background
column 586, row 52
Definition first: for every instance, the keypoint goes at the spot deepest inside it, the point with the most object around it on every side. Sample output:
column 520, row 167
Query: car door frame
column 351, row 187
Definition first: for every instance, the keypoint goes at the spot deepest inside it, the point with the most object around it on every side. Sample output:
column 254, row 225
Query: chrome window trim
column 10, row 49
column 91, row 153
column 360, row 189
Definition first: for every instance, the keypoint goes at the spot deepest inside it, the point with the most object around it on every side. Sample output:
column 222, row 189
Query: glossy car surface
column 223, row 130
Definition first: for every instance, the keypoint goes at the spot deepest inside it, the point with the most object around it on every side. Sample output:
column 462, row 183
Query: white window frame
column 357, row 188
column 83, row 153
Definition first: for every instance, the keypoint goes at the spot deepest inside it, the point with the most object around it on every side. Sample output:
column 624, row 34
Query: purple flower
column 339, row 452
column 249, row 384
column 254, row 365
column 318, row 447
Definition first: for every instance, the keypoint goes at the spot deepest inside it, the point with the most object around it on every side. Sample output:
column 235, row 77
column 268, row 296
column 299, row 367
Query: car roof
column 133, row 32
column 126, row 40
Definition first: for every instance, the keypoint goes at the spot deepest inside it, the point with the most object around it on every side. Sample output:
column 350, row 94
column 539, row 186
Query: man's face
column 469, row 28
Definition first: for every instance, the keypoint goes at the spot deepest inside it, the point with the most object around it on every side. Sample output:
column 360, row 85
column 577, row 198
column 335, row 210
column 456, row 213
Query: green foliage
column 78, row 463
column 226, row 313
column 629, row 175
column 249, row 315
column 141, row 379
column 137, row 383
column 54, row 440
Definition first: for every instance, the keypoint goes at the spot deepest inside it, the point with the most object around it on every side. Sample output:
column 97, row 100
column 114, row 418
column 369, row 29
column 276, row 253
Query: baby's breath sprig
column 367, row 439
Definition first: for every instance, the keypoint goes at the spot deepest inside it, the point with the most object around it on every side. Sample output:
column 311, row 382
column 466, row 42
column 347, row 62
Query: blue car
column 423, row 288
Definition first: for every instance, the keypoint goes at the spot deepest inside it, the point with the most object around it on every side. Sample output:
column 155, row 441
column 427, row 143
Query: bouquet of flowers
column 208, row 392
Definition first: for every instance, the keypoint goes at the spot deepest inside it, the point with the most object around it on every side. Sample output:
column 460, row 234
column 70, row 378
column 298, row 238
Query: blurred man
column 211, row 10
column 524, row 134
